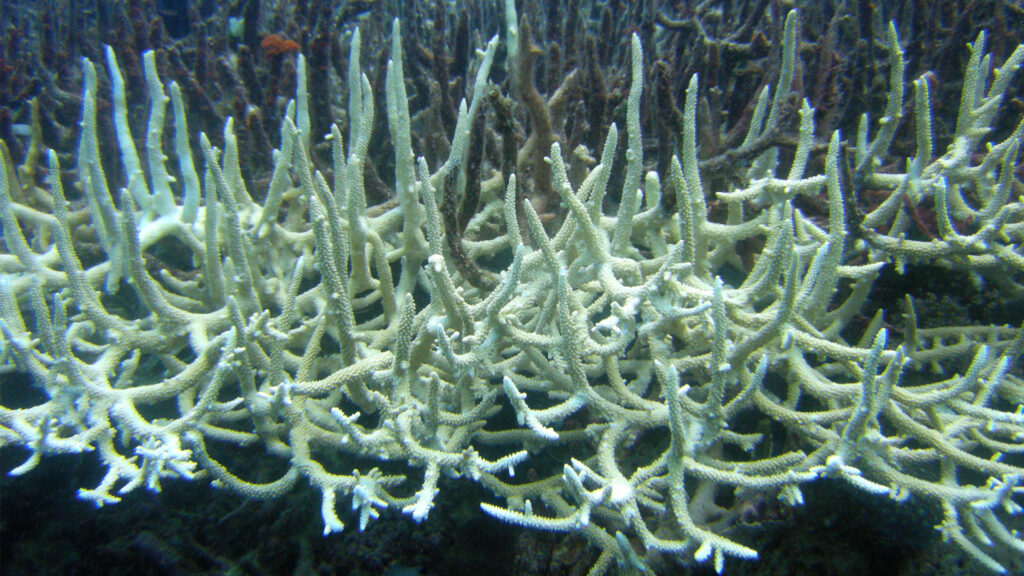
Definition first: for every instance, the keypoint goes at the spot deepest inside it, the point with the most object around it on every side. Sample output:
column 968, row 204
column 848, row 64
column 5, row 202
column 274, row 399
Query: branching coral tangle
column 299, row 320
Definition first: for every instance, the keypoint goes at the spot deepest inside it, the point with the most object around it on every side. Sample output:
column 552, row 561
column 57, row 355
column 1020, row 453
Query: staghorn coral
column 303, row 322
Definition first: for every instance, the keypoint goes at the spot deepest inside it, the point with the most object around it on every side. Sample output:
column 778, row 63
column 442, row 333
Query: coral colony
column 609, row 346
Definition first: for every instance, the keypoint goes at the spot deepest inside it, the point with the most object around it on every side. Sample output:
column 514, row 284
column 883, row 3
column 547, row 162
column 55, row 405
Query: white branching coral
column 282, row 324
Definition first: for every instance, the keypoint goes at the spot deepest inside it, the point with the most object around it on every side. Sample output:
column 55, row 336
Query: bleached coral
column 279, row 323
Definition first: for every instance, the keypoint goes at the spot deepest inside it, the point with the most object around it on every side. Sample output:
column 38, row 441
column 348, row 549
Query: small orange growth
column 273, row 45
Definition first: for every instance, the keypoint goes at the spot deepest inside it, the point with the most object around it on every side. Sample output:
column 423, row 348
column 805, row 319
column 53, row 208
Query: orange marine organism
column 273, row 45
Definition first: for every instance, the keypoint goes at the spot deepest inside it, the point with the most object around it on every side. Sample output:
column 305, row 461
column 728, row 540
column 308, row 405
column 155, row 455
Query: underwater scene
column 500, row 287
